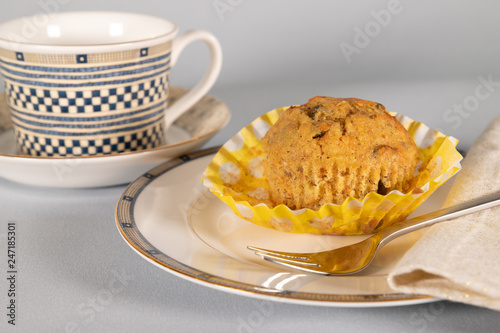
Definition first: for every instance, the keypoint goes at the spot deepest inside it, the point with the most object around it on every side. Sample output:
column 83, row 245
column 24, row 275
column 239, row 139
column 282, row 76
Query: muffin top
column 331, row 148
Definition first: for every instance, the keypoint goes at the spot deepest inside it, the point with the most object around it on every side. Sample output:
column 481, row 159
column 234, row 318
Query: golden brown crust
column 332, row 148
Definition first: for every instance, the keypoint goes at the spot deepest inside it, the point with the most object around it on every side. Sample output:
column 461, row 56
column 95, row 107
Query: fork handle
column 445, row 214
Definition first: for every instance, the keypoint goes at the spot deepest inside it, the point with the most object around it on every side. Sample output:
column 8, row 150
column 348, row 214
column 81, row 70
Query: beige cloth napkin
column 459, row 260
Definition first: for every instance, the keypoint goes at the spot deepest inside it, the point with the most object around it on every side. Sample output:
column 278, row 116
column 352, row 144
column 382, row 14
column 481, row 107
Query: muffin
column 236, row 175
column 330, row 149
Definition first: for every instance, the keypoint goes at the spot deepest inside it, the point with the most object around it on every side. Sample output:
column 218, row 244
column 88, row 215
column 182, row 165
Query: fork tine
column 289, row 255
column 313, row 268
column 282, row 260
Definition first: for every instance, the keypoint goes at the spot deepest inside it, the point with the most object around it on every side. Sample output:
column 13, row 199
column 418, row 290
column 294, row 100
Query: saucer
column 188, row 133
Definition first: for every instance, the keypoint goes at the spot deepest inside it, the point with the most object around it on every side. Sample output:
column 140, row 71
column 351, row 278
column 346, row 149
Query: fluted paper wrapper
column 459, row 260
column 235, row 175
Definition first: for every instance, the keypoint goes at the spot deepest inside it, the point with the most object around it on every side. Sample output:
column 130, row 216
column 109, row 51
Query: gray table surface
column 70, row 254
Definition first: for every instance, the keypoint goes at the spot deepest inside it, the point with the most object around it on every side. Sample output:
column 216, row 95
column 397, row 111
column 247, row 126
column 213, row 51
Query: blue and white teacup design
column 98, row 90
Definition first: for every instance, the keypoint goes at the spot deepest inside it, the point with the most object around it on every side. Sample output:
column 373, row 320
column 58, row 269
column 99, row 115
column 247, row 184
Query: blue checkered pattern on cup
column 84, row 101
column 88, row 108
column 45, row 146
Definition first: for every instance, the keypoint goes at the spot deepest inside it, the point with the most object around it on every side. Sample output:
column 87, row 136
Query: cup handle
column 206, row 82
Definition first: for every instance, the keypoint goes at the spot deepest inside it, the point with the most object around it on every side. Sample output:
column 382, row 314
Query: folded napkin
column 459, row 260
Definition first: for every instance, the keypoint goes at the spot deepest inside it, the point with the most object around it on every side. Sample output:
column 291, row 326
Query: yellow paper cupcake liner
column 235, row 175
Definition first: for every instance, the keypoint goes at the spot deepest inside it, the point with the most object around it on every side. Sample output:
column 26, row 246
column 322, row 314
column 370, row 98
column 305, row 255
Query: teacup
column 93, row 83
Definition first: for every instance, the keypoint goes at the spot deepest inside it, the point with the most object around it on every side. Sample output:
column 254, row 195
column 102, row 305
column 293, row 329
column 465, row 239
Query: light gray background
column 429, row 60
column 425, row 62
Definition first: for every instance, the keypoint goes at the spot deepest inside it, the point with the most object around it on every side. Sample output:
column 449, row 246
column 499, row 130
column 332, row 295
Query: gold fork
column 356, row 257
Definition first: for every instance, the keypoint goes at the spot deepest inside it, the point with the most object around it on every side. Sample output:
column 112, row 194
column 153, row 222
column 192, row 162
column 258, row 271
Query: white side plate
column 169, row 219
